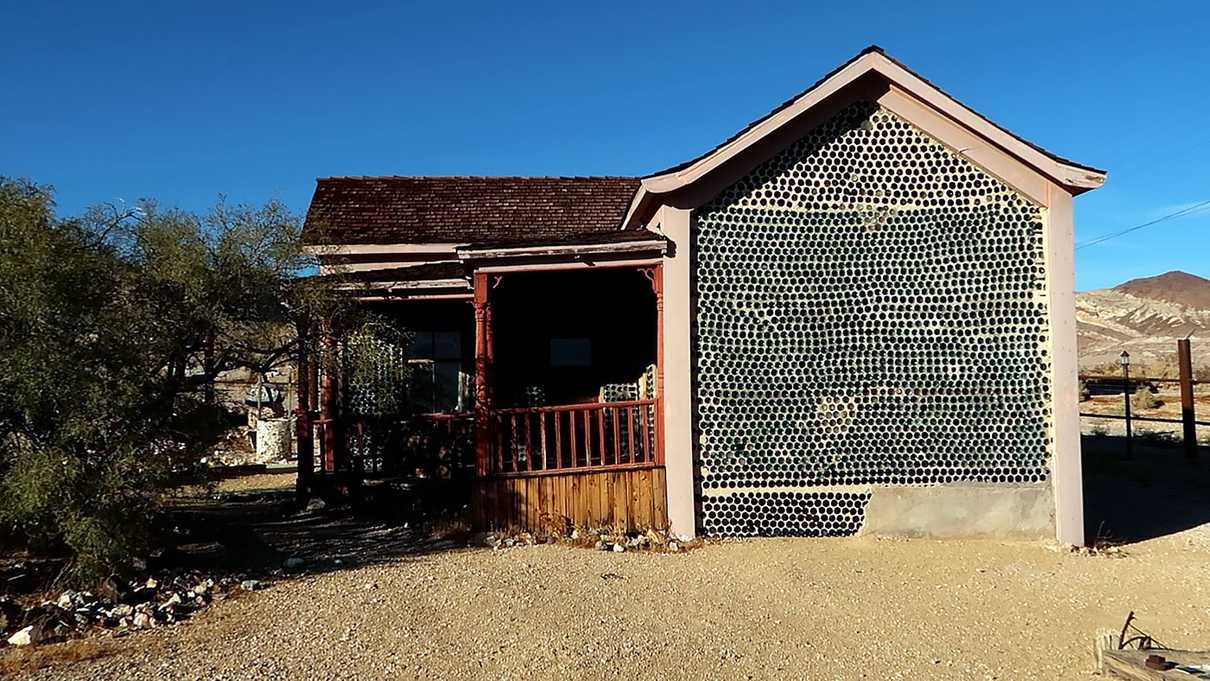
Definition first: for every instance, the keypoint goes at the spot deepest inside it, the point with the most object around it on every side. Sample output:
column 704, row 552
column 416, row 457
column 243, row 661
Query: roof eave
column 653, row 245
column 1074, row 178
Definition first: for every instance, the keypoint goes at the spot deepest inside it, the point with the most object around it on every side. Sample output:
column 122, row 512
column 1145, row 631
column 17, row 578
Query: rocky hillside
column 1145, row 317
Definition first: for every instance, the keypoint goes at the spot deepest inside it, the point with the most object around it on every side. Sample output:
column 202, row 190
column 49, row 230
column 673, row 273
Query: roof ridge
column 871, row 49
column 338, row 178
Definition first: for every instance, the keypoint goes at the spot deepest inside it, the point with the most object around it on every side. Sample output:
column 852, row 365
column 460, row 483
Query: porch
column 567, row 398
column 542, row 399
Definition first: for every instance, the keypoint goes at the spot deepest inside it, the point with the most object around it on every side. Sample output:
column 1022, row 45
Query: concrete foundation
column 957, row 511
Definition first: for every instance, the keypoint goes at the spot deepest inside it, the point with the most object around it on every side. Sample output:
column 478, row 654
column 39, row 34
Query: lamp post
column 1124, row 360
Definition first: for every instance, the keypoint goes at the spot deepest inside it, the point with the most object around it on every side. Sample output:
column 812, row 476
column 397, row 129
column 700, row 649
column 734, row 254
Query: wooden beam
column 328, row 404
column 302, row 414
column 483, row 357
column 655, row 243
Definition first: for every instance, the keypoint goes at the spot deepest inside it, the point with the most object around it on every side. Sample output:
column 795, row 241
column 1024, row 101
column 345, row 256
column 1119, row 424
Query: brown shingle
column 386, row 210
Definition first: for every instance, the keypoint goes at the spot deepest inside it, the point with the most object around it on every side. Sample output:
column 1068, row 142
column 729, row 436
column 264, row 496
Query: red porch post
column 302, row 415
column 328, row 406
column 483, row 364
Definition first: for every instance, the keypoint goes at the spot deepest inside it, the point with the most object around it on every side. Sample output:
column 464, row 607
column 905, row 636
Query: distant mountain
column 1181, row 288
column 1145, row 317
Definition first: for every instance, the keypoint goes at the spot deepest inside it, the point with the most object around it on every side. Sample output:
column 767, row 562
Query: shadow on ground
column 1151, row 492
column 263, row 531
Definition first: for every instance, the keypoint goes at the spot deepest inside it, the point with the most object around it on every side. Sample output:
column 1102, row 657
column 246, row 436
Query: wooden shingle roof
column 457, row 210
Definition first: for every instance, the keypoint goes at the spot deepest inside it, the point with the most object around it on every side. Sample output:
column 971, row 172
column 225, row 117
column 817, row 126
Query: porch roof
column 588, row 239
column 436, row 271
column 464, row 210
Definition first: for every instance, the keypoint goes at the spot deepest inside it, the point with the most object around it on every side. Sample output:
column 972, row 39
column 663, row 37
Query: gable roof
column 1075, row 177
column 456, row 210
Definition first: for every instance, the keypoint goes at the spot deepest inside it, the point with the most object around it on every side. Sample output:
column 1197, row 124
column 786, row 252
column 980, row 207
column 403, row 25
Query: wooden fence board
column 626, row 499
column 660, row 500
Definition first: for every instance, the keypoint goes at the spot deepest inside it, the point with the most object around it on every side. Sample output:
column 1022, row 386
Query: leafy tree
column 113, row 327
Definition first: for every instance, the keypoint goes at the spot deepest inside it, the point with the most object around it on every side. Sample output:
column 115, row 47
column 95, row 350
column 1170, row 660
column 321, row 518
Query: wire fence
column 1130, row 385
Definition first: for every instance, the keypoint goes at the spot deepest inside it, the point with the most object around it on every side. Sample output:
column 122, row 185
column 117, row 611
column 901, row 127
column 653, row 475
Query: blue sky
column 186, row 101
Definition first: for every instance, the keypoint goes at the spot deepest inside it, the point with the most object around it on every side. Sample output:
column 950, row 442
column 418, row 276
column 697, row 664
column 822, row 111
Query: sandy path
column 766, row 608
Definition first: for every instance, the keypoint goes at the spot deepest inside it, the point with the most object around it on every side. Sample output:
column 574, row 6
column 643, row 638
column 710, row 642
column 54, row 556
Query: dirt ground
column 765, row 608
column 1169, row 408
column 378, row 604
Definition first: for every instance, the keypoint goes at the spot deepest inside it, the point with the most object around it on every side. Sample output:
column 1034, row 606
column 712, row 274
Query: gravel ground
column 764, row 608
column 257, row 481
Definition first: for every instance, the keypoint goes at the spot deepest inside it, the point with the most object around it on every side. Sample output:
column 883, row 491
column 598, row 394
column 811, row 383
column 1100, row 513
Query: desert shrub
column 1144, row 399
column 113, row 327
column 1158, row 437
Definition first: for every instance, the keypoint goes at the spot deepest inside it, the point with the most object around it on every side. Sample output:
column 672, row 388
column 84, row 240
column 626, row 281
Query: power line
column 1197, row 207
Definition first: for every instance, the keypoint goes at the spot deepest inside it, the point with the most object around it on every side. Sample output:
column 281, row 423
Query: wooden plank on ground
column 1130, row 664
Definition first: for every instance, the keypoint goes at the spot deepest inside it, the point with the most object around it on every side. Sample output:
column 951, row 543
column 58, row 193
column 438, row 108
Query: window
column 570, row 352
column 438, row 384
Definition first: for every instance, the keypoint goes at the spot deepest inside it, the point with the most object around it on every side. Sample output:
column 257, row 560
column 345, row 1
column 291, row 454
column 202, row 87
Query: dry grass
column 20, row 662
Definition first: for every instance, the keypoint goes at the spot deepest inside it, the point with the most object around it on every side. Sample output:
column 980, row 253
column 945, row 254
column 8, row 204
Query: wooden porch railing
column 600, row 435
column 570, row 437
column 448, row 430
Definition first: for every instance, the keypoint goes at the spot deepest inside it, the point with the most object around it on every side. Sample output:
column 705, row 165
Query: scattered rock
column 294, row 563
column 656, row 538
column 618, row 548
column 113, row 590
column 23, row 637
column 10, row 613
column 68, row 599
column 251, row 585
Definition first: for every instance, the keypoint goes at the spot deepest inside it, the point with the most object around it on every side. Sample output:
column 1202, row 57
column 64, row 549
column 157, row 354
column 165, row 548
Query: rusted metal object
column 1132, row 635
column 1158, row 662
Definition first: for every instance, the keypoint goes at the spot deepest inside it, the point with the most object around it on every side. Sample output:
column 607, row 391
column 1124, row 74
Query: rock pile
column 601, row 539
column 117, row 606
